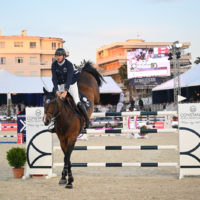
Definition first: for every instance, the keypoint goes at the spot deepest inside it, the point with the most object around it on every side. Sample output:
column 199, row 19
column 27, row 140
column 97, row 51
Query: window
column 33, row 73
column 32, row 44
column 2, row 44
column 2, row 60
column 19, row 73
column 33, row 60
column 19, row 60
column 53, row 44
column 58, row 45
column 18, row 44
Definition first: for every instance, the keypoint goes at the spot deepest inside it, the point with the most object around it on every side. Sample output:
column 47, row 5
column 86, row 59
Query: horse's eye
column 48, row 101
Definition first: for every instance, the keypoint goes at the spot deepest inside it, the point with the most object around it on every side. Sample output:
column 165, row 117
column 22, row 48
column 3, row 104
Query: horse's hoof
column 69, row 186
column 62, row 181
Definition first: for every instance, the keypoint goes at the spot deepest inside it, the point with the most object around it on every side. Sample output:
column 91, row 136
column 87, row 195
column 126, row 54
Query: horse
column 67, row 119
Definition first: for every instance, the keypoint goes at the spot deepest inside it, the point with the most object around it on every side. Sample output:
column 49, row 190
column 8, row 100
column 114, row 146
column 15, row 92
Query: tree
column 79, row 67
column 197, row 61
column 124, row 78
column 123, row 75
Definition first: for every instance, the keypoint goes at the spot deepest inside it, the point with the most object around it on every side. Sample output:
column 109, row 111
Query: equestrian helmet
column 60, row 52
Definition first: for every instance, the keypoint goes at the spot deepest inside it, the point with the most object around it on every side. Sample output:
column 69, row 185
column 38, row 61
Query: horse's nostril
column 46, row 122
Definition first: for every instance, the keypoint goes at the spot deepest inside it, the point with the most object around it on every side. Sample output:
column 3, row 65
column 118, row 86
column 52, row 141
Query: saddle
column 85, row 101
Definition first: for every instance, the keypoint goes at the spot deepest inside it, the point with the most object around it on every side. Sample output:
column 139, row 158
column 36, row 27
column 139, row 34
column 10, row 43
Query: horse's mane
column 91, row 70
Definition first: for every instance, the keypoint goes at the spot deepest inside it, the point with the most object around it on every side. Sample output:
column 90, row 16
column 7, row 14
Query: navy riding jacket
column 64, row 74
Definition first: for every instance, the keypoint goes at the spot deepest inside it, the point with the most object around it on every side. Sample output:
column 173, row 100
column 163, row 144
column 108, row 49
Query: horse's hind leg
column 70, row 176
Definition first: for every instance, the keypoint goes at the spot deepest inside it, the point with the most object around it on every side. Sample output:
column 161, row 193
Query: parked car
column 107, row 122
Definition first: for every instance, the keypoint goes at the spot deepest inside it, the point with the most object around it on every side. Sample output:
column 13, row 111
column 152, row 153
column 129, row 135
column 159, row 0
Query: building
column 111, row 57
column 28, row 55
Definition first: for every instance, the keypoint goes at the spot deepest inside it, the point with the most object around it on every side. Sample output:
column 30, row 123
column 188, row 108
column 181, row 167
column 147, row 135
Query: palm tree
column 197, row 61
column 123, row 76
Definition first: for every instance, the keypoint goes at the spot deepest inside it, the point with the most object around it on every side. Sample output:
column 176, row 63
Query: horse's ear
column 45, row 91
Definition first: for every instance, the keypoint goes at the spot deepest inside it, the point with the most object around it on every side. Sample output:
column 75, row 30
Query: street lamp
column 175, row 55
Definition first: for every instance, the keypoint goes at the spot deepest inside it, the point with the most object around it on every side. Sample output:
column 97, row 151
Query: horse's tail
column 90, row 69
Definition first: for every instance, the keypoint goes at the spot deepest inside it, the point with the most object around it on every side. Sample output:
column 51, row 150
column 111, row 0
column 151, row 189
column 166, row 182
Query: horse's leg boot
column 63, row 179
column 84, row 112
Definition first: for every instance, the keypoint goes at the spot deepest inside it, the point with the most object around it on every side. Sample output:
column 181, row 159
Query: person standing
column 64, row 79
column 141, row 104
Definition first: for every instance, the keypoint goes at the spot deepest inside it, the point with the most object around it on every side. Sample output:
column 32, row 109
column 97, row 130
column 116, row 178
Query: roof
column 188, row 79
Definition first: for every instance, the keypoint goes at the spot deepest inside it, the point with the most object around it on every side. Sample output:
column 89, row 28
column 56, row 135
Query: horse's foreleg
column 67, row 160
column 64, row 173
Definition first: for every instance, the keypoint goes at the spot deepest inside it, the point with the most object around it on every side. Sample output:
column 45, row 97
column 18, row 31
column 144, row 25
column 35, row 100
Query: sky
column 87, row 25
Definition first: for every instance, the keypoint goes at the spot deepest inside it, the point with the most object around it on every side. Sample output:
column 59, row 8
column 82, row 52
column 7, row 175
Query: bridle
column 53, row 114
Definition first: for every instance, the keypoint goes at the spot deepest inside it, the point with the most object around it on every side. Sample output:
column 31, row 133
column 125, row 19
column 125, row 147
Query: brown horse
column 68, row 121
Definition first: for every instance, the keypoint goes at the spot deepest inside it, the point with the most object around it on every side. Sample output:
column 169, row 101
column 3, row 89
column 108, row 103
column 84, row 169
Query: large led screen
column 148, row 62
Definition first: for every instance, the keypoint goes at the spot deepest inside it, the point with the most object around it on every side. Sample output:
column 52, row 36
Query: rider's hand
column 64, row 94
column 58, row 94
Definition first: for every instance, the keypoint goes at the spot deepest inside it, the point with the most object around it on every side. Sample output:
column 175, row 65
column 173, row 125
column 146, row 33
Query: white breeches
column 73, row 90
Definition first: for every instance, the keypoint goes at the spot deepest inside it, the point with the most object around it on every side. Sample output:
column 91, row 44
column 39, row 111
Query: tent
column 189, row 83
column 30, row 89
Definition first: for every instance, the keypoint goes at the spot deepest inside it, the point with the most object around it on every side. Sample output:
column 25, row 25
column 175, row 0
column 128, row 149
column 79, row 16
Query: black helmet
column 60, row 52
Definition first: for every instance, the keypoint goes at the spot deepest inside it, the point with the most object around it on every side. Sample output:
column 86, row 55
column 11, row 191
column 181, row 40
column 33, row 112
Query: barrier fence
column 188, row 140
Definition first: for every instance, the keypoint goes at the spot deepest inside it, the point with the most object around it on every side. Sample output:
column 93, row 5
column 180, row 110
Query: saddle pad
column 85, row 101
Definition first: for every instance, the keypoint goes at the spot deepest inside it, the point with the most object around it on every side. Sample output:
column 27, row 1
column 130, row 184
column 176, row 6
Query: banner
column 150, row 81
column 21, row 125
column 148, row 62
column 189, row 139
column 38, row 143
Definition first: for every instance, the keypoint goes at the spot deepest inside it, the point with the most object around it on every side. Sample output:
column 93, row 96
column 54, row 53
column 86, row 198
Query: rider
column 64, row 79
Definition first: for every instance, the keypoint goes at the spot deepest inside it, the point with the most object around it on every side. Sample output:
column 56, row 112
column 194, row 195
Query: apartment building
column 111, row 57
column 28, row 55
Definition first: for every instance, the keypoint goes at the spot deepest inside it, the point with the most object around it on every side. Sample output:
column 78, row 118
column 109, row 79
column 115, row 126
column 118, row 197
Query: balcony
column 109, row 59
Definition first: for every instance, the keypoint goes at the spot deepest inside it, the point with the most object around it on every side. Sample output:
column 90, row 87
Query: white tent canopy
column 10, row 83
column 188, row 79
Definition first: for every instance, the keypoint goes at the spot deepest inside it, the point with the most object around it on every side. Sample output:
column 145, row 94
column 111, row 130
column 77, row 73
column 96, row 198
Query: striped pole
column 8, row 142
column 142, row 147
column 135, row 113
column 141, row 131
column 123, row 164
column 8, row 136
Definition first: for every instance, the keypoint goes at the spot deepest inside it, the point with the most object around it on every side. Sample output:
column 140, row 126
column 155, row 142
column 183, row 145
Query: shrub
column 16, row 157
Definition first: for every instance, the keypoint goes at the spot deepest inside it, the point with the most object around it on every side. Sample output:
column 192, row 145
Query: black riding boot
column 84, row 112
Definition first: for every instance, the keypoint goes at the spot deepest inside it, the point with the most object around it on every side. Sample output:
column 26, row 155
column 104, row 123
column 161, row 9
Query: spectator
column 141, row 105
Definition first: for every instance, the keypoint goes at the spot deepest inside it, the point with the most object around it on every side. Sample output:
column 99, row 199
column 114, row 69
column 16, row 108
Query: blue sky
column 86, row 25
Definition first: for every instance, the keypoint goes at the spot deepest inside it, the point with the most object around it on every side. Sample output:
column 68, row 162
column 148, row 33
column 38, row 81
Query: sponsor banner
column 38, row 143
column 159, row 125
column 148, row 62
column 21, row 125
column 146, row 81
column 189, row 139
column 8, row 126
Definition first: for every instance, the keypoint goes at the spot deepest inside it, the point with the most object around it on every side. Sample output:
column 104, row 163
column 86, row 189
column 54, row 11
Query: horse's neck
column 65, row 112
